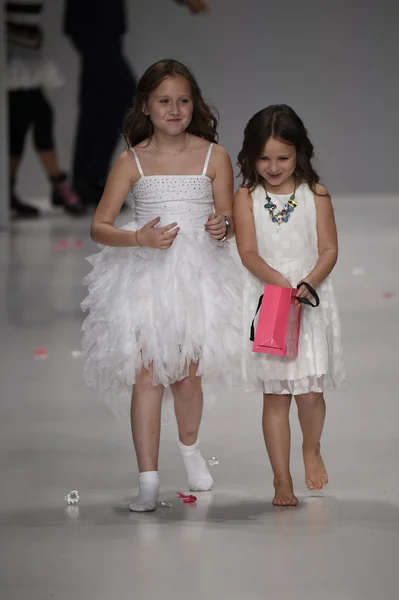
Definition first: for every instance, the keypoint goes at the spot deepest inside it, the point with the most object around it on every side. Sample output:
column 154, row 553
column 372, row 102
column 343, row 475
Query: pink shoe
column 64, row 195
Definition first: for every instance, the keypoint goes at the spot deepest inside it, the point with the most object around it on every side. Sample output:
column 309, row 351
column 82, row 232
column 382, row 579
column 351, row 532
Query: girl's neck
column 169, row 144
column 287, row 187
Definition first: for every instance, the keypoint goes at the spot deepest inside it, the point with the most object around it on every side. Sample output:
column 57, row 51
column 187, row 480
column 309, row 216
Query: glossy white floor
column 56, row 436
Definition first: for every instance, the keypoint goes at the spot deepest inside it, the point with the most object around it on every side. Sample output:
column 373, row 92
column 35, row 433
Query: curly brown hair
column 281, row 122
column 138, row 127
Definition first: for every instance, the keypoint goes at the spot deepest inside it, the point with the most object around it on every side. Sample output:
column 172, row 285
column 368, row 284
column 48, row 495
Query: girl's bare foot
column 315, row 472
column 284, row 495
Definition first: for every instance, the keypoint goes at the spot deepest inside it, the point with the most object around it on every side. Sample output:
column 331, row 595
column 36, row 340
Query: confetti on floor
column 40, row 353
column 187, row 498
column 211, row 462
column 72, row 497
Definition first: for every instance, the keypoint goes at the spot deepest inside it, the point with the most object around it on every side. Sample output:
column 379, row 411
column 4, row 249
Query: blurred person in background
column 28, row 74
column 106, row 89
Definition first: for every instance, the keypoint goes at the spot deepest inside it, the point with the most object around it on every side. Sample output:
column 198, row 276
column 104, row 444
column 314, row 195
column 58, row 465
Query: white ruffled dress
column 166, row 308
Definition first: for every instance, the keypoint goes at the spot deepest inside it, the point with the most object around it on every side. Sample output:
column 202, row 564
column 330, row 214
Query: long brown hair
column 281, row 122
column 138, row 127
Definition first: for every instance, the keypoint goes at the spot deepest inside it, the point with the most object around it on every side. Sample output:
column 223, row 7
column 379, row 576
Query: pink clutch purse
column 279, row 322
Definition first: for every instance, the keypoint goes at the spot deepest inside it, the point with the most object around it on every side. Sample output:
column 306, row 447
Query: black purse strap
column 312, row 291
column 252, row 337
column 301, row 300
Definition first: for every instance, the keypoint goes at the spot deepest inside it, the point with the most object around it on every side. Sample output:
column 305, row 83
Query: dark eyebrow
column 280, row 156
column 167, row 96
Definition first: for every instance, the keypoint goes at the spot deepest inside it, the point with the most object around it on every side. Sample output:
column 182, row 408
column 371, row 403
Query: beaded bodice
column 186, row 199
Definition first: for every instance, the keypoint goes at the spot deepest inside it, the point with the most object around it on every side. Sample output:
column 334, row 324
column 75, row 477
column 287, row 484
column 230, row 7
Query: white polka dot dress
column 293, row 251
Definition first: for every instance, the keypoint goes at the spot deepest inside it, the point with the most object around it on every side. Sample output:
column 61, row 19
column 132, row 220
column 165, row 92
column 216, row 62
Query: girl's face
column 277, row 162
column 170, row 106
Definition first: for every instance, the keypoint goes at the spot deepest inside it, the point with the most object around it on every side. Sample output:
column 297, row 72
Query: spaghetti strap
column 208, row 156
column 136, row 158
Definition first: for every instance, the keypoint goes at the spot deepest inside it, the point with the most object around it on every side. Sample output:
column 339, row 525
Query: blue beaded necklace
column 283, row 216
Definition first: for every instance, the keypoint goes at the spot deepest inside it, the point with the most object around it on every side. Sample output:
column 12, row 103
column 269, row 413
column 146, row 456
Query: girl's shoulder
column 219, row 155
column 125, row 159
column 319, row 193
column 198, row 143
column 319, row 196
column 126, row 163
column 219, row 160
column 244, row 195
column 320, row 190
column 245, row 192
column 317, row 190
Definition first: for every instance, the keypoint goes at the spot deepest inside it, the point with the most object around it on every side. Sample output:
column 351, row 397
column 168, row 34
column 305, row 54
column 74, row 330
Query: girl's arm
column 327, row 240
column 223, row 194
column 118, row 184
column 246, row 241
column 103, row 230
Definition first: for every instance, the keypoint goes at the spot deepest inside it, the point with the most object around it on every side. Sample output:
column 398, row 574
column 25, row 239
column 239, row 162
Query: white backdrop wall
column 334, row 62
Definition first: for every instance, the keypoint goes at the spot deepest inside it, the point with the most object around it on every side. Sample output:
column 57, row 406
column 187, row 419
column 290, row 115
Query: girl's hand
column 216, row 226
column 283, row 282
column 160, row 238
column 303, row 292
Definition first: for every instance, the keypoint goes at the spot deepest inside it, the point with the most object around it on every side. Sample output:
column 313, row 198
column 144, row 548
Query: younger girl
column 284, row 249
column 163, row 295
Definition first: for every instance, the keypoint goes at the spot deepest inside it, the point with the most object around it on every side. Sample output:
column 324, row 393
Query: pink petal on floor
column 388, row 295
column 40, row 353
column 60, row 245
column 187, row 498
column 79, row 243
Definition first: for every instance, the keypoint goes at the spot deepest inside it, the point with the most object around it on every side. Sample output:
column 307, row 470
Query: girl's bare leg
column 277, row 434
column 312, row 413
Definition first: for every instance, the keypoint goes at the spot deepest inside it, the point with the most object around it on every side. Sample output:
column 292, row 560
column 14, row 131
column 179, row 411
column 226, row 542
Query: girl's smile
column 277, row 164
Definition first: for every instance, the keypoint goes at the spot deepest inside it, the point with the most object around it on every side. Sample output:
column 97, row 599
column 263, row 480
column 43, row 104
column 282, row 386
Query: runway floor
column 56, row 436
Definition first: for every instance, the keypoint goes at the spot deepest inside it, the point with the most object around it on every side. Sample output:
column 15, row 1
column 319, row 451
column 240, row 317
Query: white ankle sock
column 199, row 478
column 147, row 499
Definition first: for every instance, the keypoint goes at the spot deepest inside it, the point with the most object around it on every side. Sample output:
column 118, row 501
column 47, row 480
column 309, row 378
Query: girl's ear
column 144, row 109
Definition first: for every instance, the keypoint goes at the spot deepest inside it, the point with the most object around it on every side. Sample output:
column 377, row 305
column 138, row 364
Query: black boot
column 64, row 195
column 18, row 208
